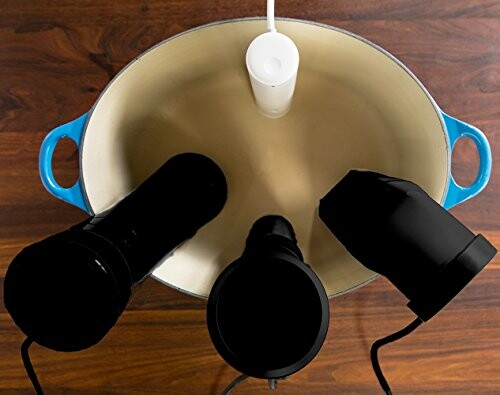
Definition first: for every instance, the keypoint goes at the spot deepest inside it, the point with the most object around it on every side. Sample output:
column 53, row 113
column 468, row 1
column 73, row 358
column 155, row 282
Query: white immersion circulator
column 272, row 62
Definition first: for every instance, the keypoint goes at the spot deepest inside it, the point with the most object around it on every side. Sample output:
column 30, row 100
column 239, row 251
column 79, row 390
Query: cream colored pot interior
column 354, row 107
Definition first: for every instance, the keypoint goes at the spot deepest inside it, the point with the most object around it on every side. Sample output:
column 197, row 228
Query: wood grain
column 55, row 58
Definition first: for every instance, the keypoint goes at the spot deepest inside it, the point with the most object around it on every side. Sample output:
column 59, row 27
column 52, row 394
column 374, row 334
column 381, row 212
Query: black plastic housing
column 268, row 312
column 394, row 228
column 67, row 291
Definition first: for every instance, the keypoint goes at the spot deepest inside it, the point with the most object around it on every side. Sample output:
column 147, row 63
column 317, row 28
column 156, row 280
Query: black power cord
column 29, row 367
column 389, row 339
column 273, row 383
column 234, row 383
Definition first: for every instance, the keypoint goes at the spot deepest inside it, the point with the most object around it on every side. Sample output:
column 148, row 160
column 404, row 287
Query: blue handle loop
column 456, row 130
column 72, row 130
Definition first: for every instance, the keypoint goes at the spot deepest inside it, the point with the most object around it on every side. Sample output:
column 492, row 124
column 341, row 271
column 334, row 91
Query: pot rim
column 260, row 18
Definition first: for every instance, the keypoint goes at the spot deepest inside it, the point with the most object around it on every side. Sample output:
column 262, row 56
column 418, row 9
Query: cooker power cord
column 389, row 339
column 273, row 383
column 270, row 16
column 234, row 383
column 28, row 366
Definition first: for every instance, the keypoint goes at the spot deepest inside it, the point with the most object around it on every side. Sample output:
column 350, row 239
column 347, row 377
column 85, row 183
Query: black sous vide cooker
column 67, row 291
column 268, row 312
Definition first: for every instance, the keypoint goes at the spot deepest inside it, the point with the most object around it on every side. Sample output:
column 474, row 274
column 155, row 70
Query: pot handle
column 72, row 130
column 456, row 130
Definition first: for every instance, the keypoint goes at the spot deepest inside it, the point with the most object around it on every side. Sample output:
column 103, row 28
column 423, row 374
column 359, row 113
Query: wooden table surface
column 55, row 58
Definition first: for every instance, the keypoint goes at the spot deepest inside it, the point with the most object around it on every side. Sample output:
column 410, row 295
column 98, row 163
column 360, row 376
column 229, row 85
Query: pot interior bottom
column 273, row 166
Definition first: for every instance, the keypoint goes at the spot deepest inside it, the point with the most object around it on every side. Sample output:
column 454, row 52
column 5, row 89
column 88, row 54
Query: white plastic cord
column 270, row 16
